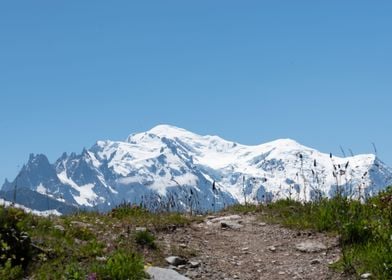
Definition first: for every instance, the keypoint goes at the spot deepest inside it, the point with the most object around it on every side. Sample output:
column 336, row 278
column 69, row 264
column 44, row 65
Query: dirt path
column 244, row 248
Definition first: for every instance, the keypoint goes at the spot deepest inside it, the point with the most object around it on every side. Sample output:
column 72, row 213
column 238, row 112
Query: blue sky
column 73, row 72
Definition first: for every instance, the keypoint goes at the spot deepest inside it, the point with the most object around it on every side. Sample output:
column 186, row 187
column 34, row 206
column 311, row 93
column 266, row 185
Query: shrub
column 9, row 272
column 15, row 245
column 145, row 238
column 121, row 266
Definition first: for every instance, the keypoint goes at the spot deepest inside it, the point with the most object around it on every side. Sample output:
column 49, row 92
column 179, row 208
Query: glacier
column 171, row 169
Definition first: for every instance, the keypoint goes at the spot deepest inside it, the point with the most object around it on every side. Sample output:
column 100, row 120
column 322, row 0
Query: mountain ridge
column 170, row 168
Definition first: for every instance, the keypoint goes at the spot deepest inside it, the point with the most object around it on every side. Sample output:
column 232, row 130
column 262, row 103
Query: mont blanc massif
column 171, row 169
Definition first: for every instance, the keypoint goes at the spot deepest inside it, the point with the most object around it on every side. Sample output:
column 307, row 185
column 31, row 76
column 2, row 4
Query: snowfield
column 169, row 168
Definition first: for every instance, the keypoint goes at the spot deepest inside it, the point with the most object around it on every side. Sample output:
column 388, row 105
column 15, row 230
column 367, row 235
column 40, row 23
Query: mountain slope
column 169, row 168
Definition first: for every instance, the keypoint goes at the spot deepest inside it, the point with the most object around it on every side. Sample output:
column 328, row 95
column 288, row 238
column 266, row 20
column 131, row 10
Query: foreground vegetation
column 82, row 246
column 118, row 245
column 364, row 229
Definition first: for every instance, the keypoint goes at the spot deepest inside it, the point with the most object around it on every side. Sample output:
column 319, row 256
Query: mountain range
column 171, row 169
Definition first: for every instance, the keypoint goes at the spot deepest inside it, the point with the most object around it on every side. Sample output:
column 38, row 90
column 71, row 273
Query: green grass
column 137, row 216
column 122, row 265
column 107, row 246
column 85, row 244
column 145, row 239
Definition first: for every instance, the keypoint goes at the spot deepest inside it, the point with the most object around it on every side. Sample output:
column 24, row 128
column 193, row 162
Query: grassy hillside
column 118, row 245
column 84, row 245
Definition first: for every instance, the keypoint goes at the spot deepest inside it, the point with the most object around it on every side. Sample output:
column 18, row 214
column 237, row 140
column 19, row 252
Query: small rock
column 101, row 259
column 194, row 264
column 245, row 249
column 182, row 245
column 262, row 224
column 272, row 248
column 157, row 273
column 366, row 275
column 236, row 277
column 230, row 225
column 59, row 227
column 141, row 229
column 80, row 224
column 281, row 273
column 226, row 218
column 310, row 246
column 176, row 261
column 315, row 261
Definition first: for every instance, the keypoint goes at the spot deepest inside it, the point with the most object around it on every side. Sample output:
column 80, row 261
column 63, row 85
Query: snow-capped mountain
column 45, row 213
column 169, row 168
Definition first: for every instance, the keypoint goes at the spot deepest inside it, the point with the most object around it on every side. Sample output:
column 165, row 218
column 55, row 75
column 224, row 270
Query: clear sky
column 73, row 72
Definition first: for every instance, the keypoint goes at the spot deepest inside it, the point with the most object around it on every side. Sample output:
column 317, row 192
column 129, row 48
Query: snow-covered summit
column 173, row 169
column 165, row 130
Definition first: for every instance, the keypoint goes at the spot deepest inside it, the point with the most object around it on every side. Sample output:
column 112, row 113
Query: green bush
column 122, row 266
column 145, row 238
column 9, row 272
column 15, row 245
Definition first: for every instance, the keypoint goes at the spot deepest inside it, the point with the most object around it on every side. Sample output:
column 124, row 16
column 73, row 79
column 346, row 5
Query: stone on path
column 226, row 218
column 157, row 273
column 194, row 264
column 230, row 224
column 310, row 246
column 315, row 261
column 176, row 261
column 272, row 248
